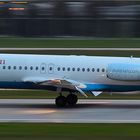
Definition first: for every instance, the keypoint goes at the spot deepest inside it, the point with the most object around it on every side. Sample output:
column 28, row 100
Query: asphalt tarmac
column 86, row 111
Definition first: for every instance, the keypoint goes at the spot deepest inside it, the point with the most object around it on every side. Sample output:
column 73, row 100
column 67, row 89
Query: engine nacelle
column 123, row 72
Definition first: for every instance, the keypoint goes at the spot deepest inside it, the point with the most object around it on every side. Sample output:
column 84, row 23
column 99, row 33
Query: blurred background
column 70, row 18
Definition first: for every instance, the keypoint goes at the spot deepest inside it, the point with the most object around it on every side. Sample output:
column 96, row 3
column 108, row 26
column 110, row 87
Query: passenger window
column 68, row 69
column 103, row 70
column 63, row 69
column 58, row 68
column 25, row 67
column 43, row 68
column 73, row 69
column 88, row 69
column 20, row 67
column 9, row 67
column 78, row 69
column 31, row 68
column 14, row 67
column 98, row 70
column 93, row 69
column 36, row 68
column 50, row 68
column 4, row 67
column 83, row 69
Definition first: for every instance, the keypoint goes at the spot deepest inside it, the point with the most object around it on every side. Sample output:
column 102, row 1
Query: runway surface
column 70, row 49
column 86, row 111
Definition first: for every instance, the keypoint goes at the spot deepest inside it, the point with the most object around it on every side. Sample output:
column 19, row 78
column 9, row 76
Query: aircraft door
column 51, row 68
column 43, row 68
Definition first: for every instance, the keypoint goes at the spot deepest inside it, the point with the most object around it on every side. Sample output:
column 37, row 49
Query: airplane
column 71, row 73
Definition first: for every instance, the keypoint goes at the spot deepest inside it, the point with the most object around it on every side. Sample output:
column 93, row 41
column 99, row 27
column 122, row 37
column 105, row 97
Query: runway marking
column 68, row 121
column 94, row 102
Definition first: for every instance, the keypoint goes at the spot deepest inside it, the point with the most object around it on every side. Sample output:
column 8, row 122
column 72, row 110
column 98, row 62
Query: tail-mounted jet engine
column 123, row 72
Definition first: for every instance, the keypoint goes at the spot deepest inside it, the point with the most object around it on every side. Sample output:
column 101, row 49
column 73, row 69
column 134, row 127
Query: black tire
column 60, row 101
column 72, row 99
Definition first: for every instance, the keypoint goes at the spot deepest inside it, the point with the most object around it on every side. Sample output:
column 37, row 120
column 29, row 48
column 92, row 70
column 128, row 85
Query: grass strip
column 21, row 131
column 11, row 42
column 89, row 53
column 31, row 94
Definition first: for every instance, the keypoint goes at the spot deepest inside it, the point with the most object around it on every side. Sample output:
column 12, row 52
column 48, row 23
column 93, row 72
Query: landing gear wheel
column 72, row 99
column 60, row 101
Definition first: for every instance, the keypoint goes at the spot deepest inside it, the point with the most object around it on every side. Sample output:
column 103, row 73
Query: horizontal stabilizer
column 96, row 93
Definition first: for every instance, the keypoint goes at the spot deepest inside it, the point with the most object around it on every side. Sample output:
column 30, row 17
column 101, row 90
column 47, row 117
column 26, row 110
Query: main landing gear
column 71, row 100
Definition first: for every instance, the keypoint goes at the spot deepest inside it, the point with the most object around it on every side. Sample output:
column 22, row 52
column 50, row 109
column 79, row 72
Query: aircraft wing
column 58, row 82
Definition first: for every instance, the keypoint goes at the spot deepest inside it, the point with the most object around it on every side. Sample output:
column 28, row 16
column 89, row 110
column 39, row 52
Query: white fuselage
column 84, row 69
